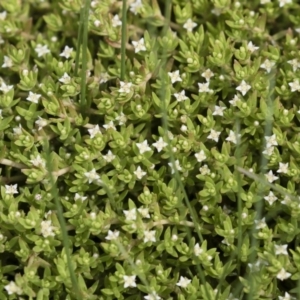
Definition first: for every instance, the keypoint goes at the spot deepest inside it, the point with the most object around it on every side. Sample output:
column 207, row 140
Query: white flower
column 283, row 168
column 47, row 229
column 38, row 161
column 139, row 45
column 116, row 21
column 183, row 128
column 198, row 250
column 97, row 23
column 12, row 288
column 214, row 135
column 18, row 130
column 218, row 111
column 121, row 118
column 177, row 166
column 271, row 198
column 295, row 85
column 65, row 79
column 152, row 296
column 271, row 140
column 5, row 88
column 79, row 197
column 130, row 215
column 33, row 97
column 283, row 274
column 260, row 224
column 160, row 144
column 183, row 282
column 294, row 63
column 287, row 296
column 287, row 200
column 269, row 151
column 235, row 100
column 189, row 25
column 271, row 177
column 125, row 87
column 66, row 52
column 129, row 281
column 207, row 74
column 252, row 47
column 112, row 235
column 149, row 236
column 110, row 125
column 92, row 176
column 200, row 156
column 143, row 147
column 41, row 123
column 94, row 131
column 7, row 62
column 281, row 249
column 204, row 87
column 135, row 6
column 41, row 50
column 11, row 189
column 109, row 157
column 175, row 76
column 267, row 65
column 3, row 15
column 284, row 2
column 144, row 211
column 103, row 77
column 180, row 96
column 139, row 173
column 243, row 88
column 204, row 170
column 233, row 137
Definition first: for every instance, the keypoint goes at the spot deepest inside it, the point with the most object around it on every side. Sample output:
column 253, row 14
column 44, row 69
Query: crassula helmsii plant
column 175, row 167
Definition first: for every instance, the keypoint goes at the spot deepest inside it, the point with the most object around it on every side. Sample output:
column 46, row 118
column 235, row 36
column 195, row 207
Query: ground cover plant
column 149, row 149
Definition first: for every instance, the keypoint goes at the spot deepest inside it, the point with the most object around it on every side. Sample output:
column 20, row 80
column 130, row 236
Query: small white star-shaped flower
column 112, row 235
column 33, row 97
column 143, row 146
column 152, row 296
column 283, row 274
column 177, row 166
column 38, row 161
column 260, row 224
column 243, row 88
column 65, row 79
column 200, row 156
column 129, row 281
column 282, row 3
column 116, row 21
column 79, row 197
column 66, row 52
column 204, row 87
column 41, row 50
column 149, row 236
column 294, row 63
column 109, row 157
column 233, row 137
column 144, row 211
column 269, row 151
column 175, row 76
column 218, row 110
column 12, row 288
column 11, row 189
column 139, row 45
column 295, row 85
column 251, row 47
column 3, row 15
column 160, row 144
column 130, row 215
column 283, row 168
column 281, row 249
column 189, row 25
column 121, row 118
column 139, row 173
column 7, row 62
column 103, row 77
column 5, row 88
column 214, row 135
column 110, row 125
column 286, row 296
column 267, row 65
column 125, row 87
column 180, row 96
column 271, row 140
column 271, row 177
column 271, row 198
column 235, row 100
column 136, row 6
column 92, row 176
column 207, row 74
column 198, row 250
column 94, row 131
column 204, row 170
column 183, row 282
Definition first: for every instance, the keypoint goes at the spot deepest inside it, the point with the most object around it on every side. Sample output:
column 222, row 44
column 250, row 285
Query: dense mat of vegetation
column 149, row 149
